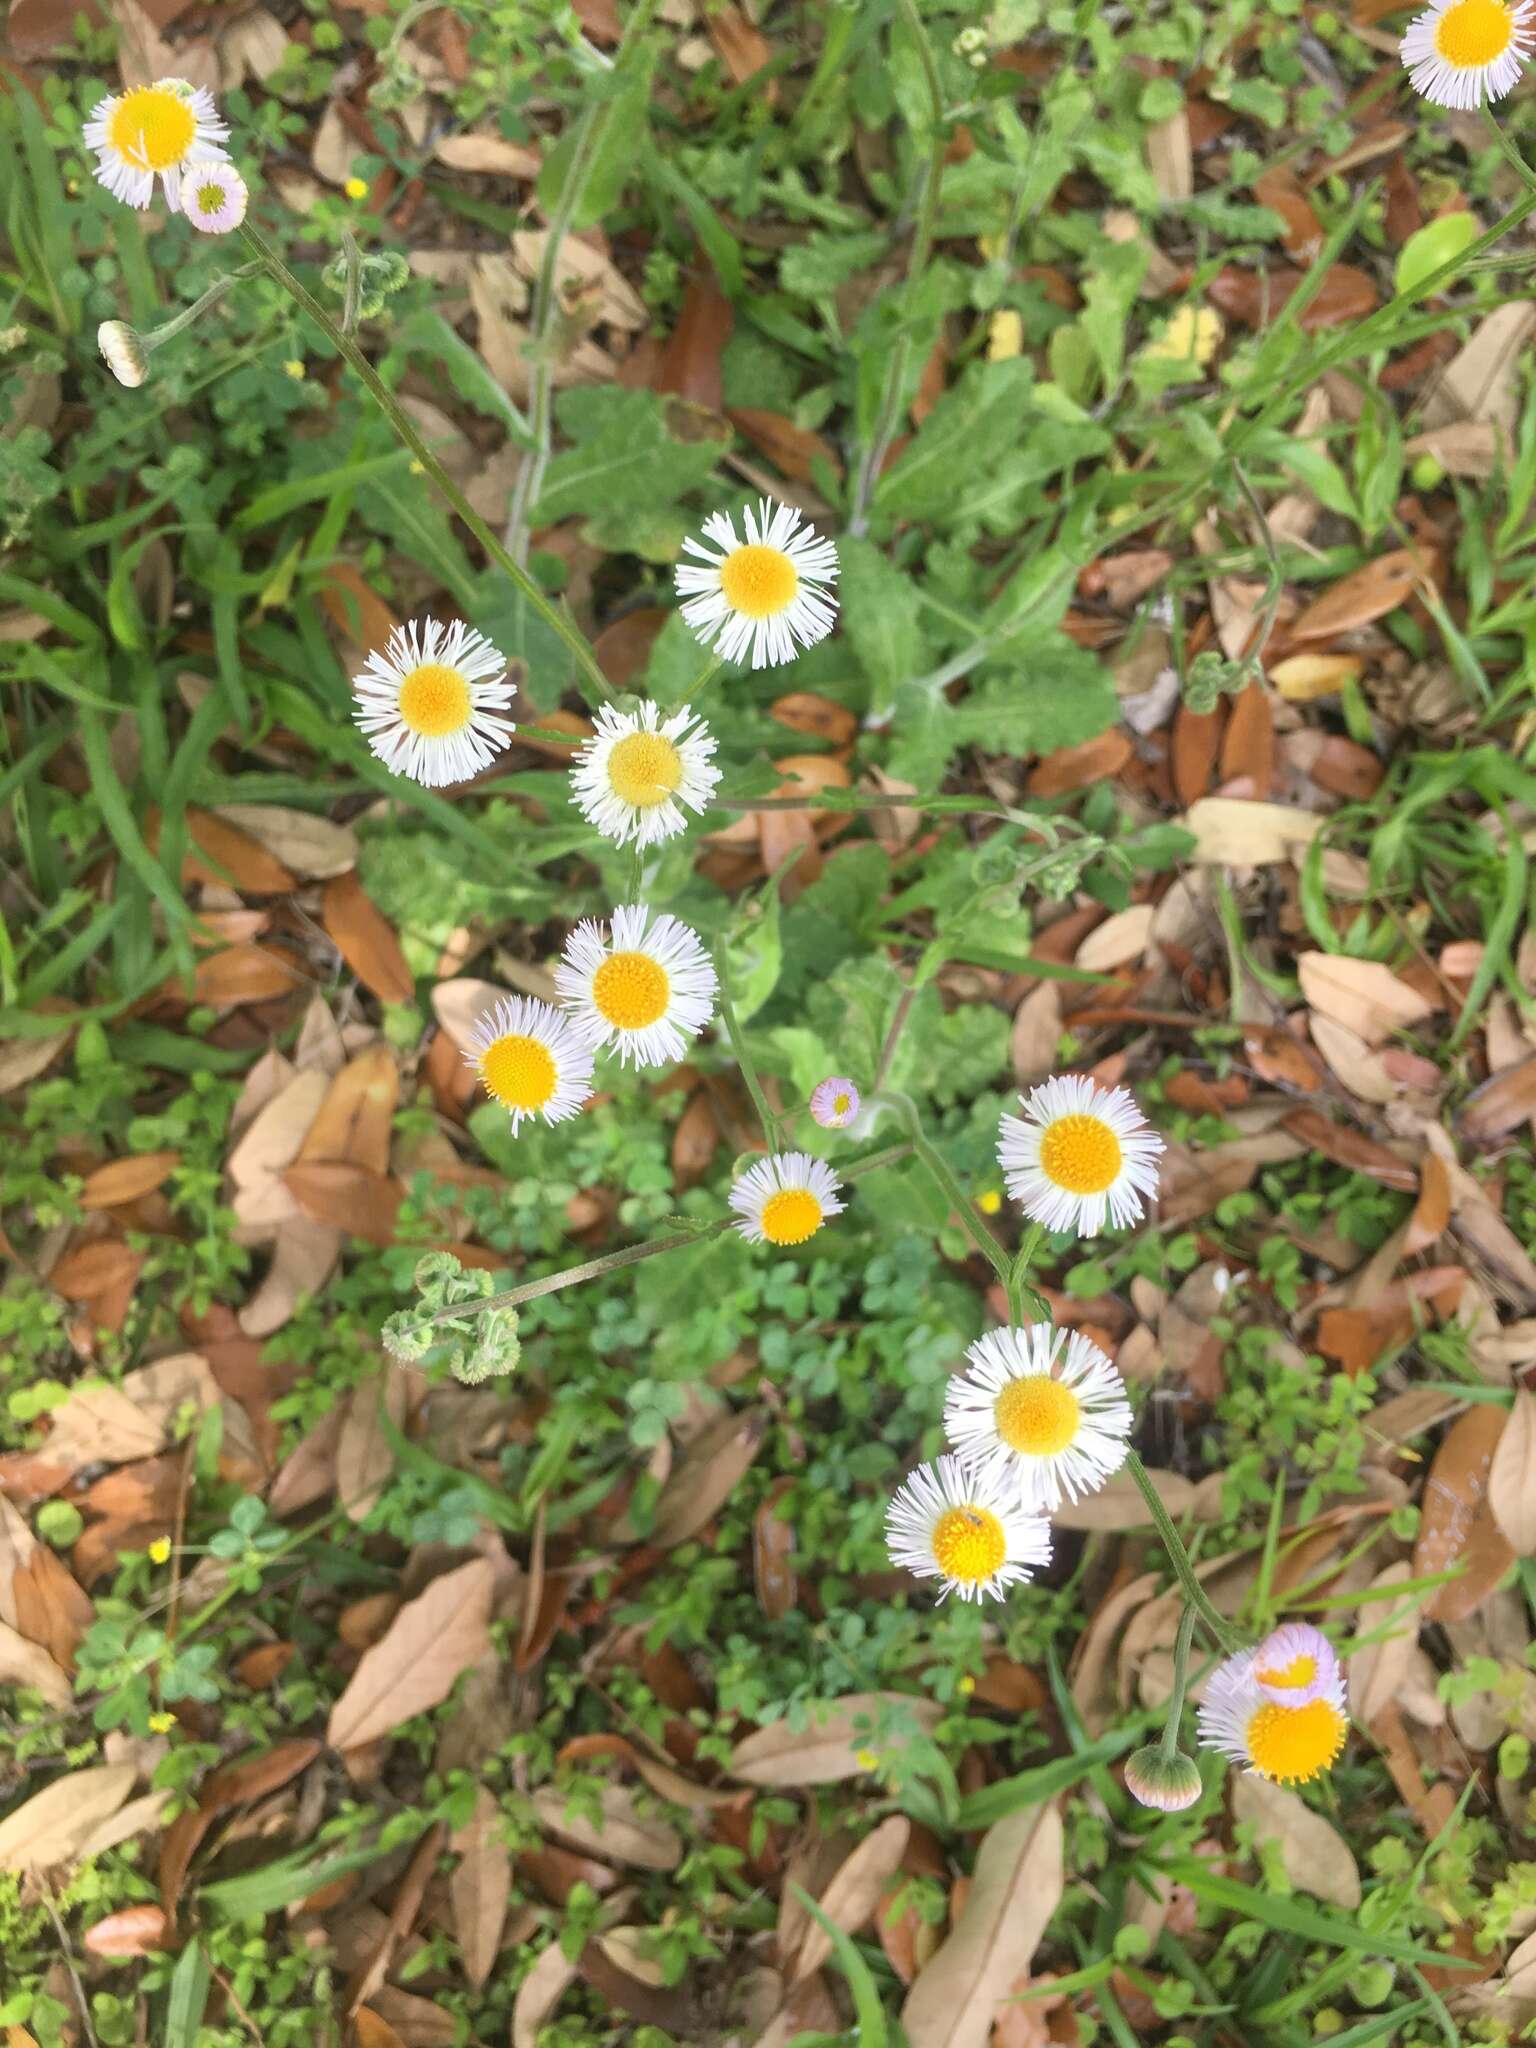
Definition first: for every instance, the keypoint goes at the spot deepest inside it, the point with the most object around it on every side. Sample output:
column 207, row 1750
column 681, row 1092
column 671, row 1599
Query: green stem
column 1018, row 1278
column 707, row 675
column 1510, row 154
column 405, row 429
column 1178, row 1556
column 1180, row 1683
column 169, row 329
column 868, row 800
column 573, row 1276
column 959, row 1201
column 742, row 1057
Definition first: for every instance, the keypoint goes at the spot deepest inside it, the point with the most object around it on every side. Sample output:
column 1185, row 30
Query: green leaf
column 611, row 155
column 188, row 1997
column 881, row 615
column 1056, row 695
column 973, row 426
column 1437, row 242
column 626, row 460
column 1290, row 1916
column 870, row 2029
column 1033, row 1788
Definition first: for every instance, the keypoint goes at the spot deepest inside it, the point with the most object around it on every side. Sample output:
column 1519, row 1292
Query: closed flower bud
column 124, row 352
column 1168, row 1782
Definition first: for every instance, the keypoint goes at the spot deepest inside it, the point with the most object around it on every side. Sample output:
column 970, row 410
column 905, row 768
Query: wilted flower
column 1051, row 1427
column 633, row 776
column 427, row 703
column 785, row 1199
column 1463, row 52
column 153, row 131
column 531, row 1059
column 1279, row 1709
column 644, row 989
column 834, row 1103
column 1080, row 1152
column 950, row 1522
column 765, row 595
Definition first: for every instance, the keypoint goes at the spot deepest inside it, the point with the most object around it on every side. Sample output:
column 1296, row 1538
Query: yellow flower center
column 208, row 198
column 758, row 581
column 645, row 769
column 1292, row 1744
column 1080, row 1153
column 791, row 1216
column 1036, row 1415
column 518, row 1072
column 152, row 127
column 840, row 1105
column 1474, row 32
column 434, row 701
column 1299, row 1672
column 968, row 1545
column 631, row 991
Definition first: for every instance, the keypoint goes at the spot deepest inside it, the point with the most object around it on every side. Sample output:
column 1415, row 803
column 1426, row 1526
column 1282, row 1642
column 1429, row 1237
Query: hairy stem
column 743, row 1058
column 1180, row 1684
column 959, row 1201
column 1178, row 1556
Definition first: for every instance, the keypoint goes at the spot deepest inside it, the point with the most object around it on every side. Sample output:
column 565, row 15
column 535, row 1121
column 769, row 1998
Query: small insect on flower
column 531, row 1059
column 951, row 1523
column 1078, row 1154
column 1051, row 1427
column 213, row 197
column 124, row 353
column 786, row 1198
column 633, row 776
column 764, row 596
column 643, row 989
column 1462, row 52
column 153, row 131
column 427, row 703
column 834, row 1103
column 1279, row 1709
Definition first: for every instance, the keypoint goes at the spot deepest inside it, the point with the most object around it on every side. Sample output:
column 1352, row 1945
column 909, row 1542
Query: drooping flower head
column 949, row 1522
column 153, row 131
column 764, row 596
column 642, row 989
column 785, row 1199
column 633, row 776
column 1170, row 1783
column 213, row 197
column 1078, row 1154
column 428, row 702
column 1462, row 52
column 531, row 1059
column 123, row 351
column 1051, row 1426
column 1278, row 1709
column 834, row 1103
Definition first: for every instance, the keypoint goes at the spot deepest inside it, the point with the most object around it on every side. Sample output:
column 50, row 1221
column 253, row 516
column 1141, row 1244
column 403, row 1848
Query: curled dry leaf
column 1500, row 1104
column 854, row 1891
column 539, row 1993
column 1512, row 1476
column 1316, row 1857
column 827, row 1751
column 707, row 1476
column 1016, row 1887
column 1363, row 994
column 1458, row 1527
column 1351, row 1149
column 433, row 1638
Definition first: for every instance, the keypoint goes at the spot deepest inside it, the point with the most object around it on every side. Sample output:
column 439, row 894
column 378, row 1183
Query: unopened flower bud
column 124, row 352
column 1168, row 1782
column 834, row 1103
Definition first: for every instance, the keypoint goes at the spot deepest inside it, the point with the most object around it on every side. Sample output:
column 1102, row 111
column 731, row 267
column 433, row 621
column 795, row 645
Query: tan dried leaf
column 1118, row 1503
column 854, row 1891
column 1230, row 832
column 1316, row 1857
column 538, row 1995
column 1120, row 939
column 308, row 844
column 480, row 1887
column 827, row 1752
column 623, row 1834
column 1512, row 1476
column 1456, row 1526
column 1362, row 994
column 707, row 1476
column 27, row 1663
column 48, row 1828
column 432, row 1639
column 1377, row 1672
column 1035, row 1042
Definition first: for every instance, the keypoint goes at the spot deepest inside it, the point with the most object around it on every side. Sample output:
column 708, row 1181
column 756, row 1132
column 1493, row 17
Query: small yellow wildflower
column 294, row 368
column 1193, row 335
column 990, row 1202
column 160, row 1550
column 356, row 188
column 965, row 1686
column 1005, row 335
column 867, row 1760
column 162, row 1724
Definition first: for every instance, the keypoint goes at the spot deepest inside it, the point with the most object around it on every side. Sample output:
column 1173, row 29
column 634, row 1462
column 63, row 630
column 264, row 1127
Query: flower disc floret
column 1460, row 53
column 640, row 774
column 642, row 987
column 785, row 1199
column 531, row 1059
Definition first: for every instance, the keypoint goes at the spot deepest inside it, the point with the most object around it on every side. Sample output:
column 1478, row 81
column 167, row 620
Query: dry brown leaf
column 828, row 1750
column 1377, row 1672
column 23, row 1059
column 1016, row 1887
column 432, row 1639
column 371, row 2030
column 1231, row 832
column 1359, row 1067
column 1362, row 994
column 27, row 1663
column 303, row 1257
column 792, row 450
column 365, row 940
column 135, row 1931
column 1366, row 594
column 486, row 151
column 480, row 1887
column 707, row 1476
column 1118, row 1503
column 742, row 48
column 1034, row 1045
column 1500, row 1104
column 109, row 1425
column 308, row 844
column 1480, row 381
column 1512, row 1476
column 1478, row 1223
column 1457, row 1526
column 622, row 1834
column 125, row 1180
column 347, row 1198
column 1315, row 1856
column 1121, row 938
column 1170, row 158
column 364, row 1459
column 220, row 852
column 1352, row 1149
column 354, row 1121
column 539, row 1993
column 854, row 1891
column 48, row 1828
column 243, row 974
column 1432, row 1210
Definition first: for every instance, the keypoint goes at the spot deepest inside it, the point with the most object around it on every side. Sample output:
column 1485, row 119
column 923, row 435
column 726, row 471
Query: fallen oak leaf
column 431, row 1641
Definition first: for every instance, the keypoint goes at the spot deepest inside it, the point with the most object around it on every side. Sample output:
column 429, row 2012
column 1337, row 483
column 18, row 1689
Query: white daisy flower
column 1278, row 1709
column 1050, row 1427
column 214, row 197
column 123, row 351
column 785, row 1198
column 643, row 990
column 633, row 776
column 1080, row 1152
column 950, row 1522
column 153, row 131
column 1462, row 52
column 766, row 593
column 427, row 703
column 531, row 1059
